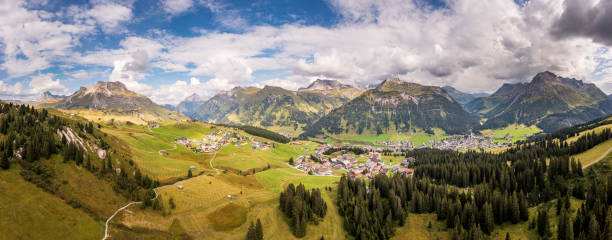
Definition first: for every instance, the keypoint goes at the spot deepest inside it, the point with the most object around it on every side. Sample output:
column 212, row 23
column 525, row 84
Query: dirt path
column 598, row 159
column 211, row 163
column 121, row 209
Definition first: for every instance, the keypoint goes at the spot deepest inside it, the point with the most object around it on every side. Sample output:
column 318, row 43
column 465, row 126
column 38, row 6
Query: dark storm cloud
column 583, row 19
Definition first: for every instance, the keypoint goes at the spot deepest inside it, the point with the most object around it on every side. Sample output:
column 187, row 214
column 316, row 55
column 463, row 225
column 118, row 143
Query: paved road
column 598, row 159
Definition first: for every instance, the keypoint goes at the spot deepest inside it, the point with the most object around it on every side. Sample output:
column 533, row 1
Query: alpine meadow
column 321, row 119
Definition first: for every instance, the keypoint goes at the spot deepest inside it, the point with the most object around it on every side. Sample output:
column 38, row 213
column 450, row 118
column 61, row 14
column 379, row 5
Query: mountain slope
column 276, row 108
column 549, row 101
column 190, row 105
column 114, row 98
column 462, row 97
column 396, row 106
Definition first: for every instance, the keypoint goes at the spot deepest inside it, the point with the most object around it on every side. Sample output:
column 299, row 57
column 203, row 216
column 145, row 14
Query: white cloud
column 45, row 82
column 176, row 7
column 30, row 41
column 110, row 15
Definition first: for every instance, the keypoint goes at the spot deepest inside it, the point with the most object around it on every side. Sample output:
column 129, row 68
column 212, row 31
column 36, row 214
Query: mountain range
column 548, row 101
column 330, row 107
column 274, row 107
column 396, row 106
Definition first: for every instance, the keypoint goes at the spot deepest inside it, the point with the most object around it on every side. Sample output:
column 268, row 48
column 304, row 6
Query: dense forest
column 302, row 206
column 472, row 192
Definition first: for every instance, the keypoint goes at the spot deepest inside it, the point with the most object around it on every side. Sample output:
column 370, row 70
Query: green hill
column 396, row 106
column 548, row 101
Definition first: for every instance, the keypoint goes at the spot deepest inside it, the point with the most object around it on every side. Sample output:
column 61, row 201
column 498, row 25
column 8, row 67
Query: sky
column 170, row 49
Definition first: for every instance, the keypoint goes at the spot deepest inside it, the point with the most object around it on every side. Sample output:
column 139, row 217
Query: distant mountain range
column 396, row 106
column 45, row 96
column 190, row 105
column 462, row 97
column 330, row 107
column 274, row 107
column 549, row 101
column 114, row 98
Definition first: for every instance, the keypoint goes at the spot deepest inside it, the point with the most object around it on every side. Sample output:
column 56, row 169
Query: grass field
column 145, row 150
column 518, row 132
column 593, row 153
column 596, row 130
column 46, row 216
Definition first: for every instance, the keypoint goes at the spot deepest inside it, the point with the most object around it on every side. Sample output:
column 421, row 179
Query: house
column 163, row 152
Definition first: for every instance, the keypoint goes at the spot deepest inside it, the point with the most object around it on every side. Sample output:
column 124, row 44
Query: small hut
column 180, row 187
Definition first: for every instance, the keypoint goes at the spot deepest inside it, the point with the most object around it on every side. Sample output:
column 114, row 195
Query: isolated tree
column 291, row 161
column 258, row 230
column 251, row 234
column 189, row 174
column 171, row 203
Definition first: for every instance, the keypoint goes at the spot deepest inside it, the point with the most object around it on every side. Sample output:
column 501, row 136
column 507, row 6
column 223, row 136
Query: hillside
column 276, row 108
column 462, row 97
column 112, row 100
column 396, row 106
column 548, row 101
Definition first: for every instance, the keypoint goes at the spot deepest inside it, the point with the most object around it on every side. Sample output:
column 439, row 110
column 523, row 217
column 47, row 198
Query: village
column 453, row 142
column 217, row 139
column 354, row 165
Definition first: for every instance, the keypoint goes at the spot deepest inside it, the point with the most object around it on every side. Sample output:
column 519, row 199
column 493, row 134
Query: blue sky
column 170, row 49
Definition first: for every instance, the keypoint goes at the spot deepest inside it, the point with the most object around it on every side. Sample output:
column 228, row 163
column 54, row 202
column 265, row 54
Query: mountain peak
column 325, row 84
column 107, row 88
column 389, row 83
column 194, row 98
column 48, row 96
column 544, row 77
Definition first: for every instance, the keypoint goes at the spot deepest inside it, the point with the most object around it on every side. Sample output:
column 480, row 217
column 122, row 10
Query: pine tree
column 487, row 223
column 251, row 235
column 564, row 228
column 515, row 209
column 258, row 230
column 189, row 174
column 507, row 236
column 543, row 224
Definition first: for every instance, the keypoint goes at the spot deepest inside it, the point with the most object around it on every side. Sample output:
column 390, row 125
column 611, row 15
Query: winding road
column 121, row 209
column 598, row 159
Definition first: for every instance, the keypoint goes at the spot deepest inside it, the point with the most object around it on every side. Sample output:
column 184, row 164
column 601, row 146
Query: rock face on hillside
column 190, row 105
column 275, row 107
column 396, row 106
column 549, row 101
column 114, row 97
column 332, row 87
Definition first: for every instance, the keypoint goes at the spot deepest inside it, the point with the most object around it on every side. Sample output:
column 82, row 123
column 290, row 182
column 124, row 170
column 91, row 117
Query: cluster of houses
column 217, row 139
column 320, row 165
column 453, row 142
column 463, row 142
